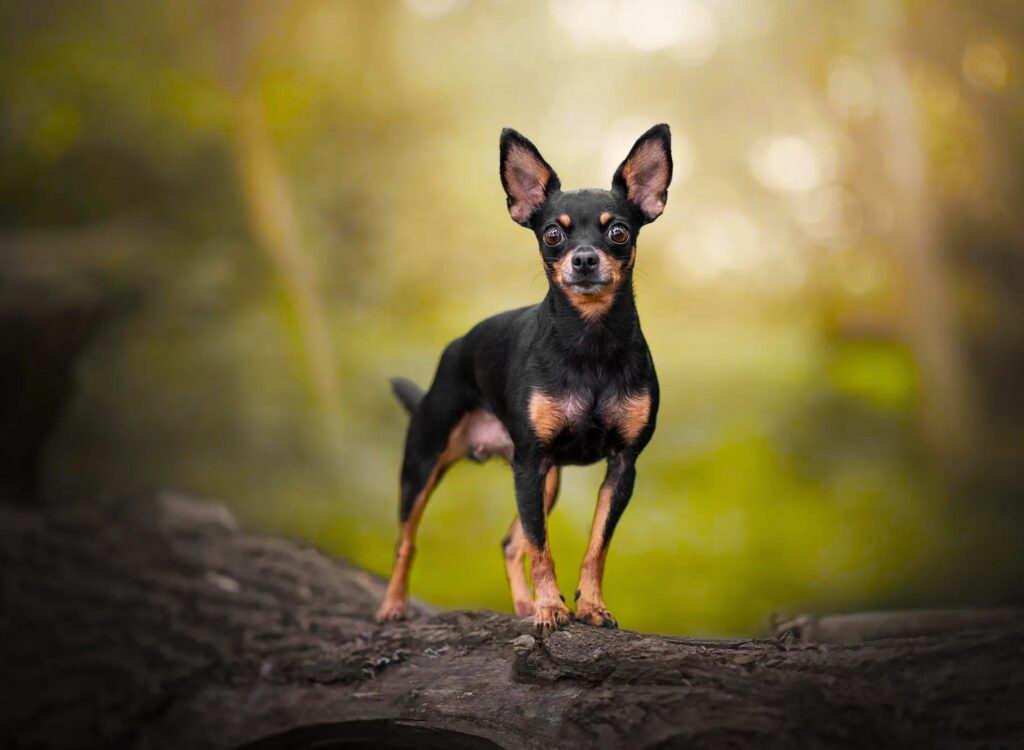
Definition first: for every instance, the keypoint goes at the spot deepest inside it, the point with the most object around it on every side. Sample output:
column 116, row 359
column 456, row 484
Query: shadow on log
column 158, row 623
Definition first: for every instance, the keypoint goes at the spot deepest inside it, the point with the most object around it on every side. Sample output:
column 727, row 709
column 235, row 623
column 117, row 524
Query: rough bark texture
column 158, row 623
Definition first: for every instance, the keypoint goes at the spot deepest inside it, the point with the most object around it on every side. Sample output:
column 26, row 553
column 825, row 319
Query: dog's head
column 587, row 238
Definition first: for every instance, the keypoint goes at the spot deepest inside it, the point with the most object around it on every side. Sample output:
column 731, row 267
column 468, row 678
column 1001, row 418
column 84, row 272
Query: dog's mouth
column 589, row 286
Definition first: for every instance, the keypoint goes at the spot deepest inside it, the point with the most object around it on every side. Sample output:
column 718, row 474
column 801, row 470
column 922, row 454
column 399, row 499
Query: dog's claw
column 546, row 620
column 390, row 611
column 596, row 616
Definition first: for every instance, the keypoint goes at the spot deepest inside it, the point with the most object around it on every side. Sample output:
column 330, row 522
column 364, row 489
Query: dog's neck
column 594, row 339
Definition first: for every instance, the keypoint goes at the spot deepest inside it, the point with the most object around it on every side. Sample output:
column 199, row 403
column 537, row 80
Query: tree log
column 158, row 623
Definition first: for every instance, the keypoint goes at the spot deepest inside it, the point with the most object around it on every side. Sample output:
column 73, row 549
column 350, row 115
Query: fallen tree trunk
column 158, row 623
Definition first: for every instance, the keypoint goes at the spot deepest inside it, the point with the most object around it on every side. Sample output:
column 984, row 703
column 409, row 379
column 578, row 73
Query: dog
column 568, row 381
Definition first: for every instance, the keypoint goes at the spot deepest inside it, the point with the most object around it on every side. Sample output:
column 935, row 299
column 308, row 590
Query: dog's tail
column 408, row 393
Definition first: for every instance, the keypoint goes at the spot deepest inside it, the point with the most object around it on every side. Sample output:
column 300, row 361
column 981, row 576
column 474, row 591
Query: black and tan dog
column 569, row 381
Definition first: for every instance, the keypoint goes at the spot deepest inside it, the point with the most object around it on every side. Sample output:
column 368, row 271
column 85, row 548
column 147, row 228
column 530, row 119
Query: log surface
column 159, row 623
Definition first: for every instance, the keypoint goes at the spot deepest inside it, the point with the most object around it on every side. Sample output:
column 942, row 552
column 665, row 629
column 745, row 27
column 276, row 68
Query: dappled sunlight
column 787, row 163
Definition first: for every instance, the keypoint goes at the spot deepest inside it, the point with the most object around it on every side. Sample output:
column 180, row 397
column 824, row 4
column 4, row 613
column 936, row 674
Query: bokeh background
column 263, row 210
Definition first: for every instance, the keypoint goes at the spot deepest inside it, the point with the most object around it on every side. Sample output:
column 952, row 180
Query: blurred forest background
column 259, row 211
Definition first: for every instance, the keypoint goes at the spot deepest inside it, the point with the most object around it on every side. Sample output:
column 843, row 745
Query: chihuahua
column 568, row 381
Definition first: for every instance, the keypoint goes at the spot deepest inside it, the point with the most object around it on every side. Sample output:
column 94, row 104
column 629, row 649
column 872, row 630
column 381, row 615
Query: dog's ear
column 644, row 176
column 528, row 179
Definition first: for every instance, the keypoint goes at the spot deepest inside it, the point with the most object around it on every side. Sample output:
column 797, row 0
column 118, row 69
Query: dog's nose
column 585, row 260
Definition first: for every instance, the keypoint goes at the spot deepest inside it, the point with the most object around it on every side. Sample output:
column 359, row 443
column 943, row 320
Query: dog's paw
column 391, row 610
column 548, row 619
column 597, row 615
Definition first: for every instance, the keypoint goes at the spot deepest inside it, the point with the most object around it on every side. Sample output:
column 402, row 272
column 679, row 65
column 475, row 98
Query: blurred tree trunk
column 272, row 212
column 42, row 332
column 53, row 301
column 948, row 415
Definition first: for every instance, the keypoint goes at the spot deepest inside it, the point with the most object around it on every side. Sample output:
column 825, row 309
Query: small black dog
column 566, row 382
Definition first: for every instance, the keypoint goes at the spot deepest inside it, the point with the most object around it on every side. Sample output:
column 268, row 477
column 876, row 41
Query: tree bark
column 158, row 623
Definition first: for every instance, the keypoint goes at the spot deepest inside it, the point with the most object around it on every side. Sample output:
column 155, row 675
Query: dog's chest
column 589, row 414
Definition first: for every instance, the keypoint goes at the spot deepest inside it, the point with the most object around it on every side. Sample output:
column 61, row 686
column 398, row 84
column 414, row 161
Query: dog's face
column 587, row 238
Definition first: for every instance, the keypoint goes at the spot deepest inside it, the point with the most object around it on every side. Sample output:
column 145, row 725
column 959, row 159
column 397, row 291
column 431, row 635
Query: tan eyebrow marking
column 605, row 218
column 565, row 221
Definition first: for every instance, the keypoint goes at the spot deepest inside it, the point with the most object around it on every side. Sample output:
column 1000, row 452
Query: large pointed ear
column 644, row 176
column 528, row 179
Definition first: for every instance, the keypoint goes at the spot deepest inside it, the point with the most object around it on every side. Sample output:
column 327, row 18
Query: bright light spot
column 433, row 8
column 745, row 20
column 700, row 35
column 788, row 164
column 622, row 134
column 650, row 24
column 719, row 241
column 685, row 26
column 587, row 20
column 851, row 90
column 578, row 124
column 833, row 215
column 986, row 62
column 859, row 274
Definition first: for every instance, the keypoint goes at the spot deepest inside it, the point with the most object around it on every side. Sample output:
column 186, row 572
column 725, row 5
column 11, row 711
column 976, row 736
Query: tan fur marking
column 550, row 489
column 522, row 599
column 590, row 607
column 549, row 610
column 628, row 413
column 550, row 613
column 605, row 218
column 542, row 569
column 549, row 414
column 546, row 416
column 591, row 306
column 565, row 221
column 515, row 550
column 592, row 570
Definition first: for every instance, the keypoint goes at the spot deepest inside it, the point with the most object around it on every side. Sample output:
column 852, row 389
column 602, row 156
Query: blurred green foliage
column 288, row 203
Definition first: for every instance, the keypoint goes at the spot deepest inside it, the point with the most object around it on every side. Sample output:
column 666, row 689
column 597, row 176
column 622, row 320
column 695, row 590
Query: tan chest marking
column 628, row 413
column 549, row 415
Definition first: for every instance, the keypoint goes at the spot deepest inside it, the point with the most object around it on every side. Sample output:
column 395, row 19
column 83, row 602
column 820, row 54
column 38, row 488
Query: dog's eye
column 618, row 234
column 553, row 236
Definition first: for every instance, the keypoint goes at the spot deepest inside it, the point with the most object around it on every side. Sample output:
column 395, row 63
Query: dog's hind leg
column 436, row 439
column 513, row 547
column 424, row 465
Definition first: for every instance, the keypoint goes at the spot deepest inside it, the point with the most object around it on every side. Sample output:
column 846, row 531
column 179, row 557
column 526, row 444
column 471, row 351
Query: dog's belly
column 484, row 436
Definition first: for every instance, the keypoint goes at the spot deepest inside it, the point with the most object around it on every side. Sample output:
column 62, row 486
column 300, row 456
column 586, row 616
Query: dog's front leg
column 612, row 500
column 550, row 612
